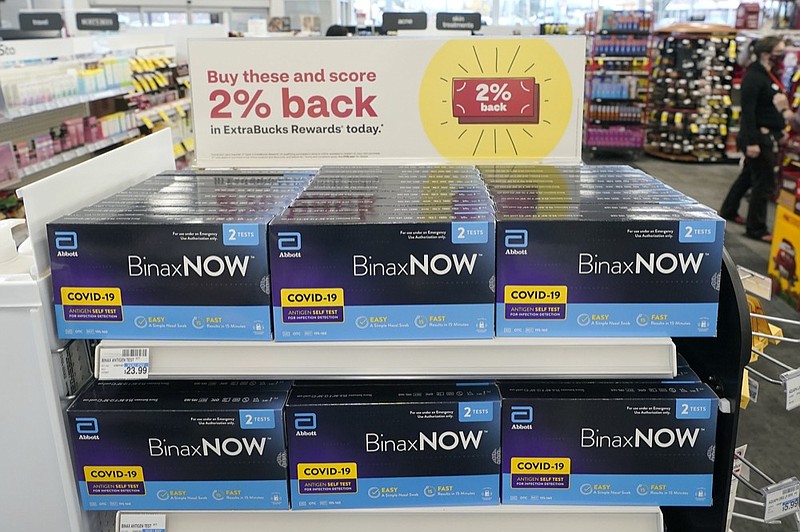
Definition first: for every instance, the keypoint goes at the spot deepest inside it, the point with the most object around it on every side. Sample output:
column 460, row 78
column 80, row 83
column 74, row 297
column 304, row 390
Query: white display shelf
column 19, row 112
column 463, row 519
column 497, row 358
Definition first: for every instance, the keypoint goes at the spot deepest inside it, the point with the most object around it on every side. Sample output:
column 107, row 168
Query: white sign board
column 276, row 102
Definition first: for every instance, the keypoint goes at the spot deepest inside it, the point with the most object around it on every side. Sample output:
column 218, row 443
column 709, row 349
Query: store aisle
column 773, row 434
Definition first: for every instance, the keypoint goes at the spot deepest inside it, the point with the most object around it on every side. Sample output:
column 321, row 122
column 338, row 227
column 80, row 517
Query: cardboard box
column 190, row 268
column 608, row 443
column 393, row 445
column 174, row 445
column 382, row 276
column 641, row 271
column 783, row 256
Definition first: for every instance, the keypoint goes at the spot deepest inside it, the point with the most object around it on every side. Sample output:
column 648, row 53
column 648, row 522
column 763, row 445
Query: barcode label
column 782, row 499
column 125, row 363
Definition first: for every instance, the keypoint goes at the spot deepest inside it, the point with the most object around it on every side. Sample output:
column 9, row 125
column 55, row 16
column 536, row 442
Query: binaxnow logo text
column 664, row 263
column 210, row 266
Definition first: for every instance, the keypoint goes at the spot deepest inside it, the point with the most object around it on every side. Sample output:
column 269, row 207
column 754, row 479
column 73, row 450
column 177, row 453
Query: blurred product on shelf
column 616, row 79
column 691, row 85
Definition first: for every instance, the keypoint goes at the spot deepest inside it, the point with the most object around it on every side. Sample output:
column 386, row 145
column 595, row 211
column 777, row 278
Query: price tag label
column 142, row 522
column 181, row 110
column 147, row 122
column 126, row 363
column 164, row 116
column 782, row 499
column 753, row 384
column 791, row 386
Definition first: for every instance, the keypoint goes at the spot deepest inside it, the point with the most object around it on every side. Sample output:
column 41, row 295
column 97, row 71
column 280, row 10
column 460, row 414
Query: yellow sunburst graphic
column 496, row 99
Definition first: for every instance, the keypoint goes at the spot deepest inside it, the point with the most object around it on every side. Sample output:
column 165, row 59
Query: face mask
column 777, row 58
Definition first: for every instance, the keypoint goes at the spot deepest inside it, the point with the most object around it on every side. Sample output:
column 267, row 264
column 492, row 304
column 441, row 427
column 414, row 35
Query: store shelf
column 464, row 519
column 677, row 157
column 68, row 156
column 59, row 103
column 624, row 32
column 616, row 100
column 620, row 57
column 604, row 72
column 616, row 123
column 156, row 114
column 496, row 358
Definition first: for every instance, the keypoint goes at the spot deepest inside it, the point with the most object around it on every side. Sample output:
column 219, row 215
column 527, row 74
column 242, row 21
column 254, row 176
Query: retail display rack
column 617, row 73
column 62, row 103
column 691, row 84
column 719, row 361
column 28, row 309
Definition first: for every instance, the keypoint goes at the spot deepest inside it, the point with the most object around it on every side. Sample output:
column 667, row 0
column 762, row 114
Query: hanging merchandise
column 617, row 72
column 691, row 87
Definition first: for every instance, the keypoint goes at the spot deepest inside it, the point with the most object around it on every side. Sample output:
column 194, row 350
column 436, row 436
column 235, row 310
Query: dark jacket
column 758, row 111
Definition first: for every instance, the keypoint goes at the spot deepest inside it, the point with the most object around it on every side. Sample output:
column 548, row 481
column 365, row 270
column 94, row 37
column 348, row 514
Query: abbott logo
column 516, row 241
column 305, row 423
column 87, row 428
column 290, row 241
column 522, row 414
column 521, row 418
column 66, row 240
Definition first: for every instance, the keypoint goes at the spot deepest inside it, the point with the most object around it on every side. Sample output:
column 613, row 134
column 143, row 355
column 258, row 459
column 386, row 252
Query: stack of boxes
column 192, row 264
column 385, row 253
column 602, row 251
column 392, row 253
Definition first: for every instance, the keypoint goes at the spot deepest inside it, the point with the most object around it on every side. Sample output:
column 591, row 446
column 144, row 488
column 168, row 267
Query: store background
column 772, row 433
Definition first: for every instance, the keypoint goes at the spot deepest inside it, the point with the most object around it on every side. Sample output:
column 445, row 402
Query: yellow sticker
column 147, row 122
column 113, row 473
column 726, row 100
column 678, row 118
column 559, row 466
column 189, row 144
column 327, row 471
column 723, row 130
column 151, row 82
column 137, row 86
column 694, row 128
column 180, row 110
column 535, row 294
column 178, row 150
column 312, row 297
column 164, row 116
column 91, row 296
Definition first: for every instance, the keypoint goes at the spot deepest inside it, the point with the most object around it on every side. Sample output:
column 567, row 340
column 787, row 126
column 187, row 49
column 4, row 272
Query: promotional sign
column 393, row 101
column 97, row 21
column 40, row 21
column 458, row 21
column 405, row 21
